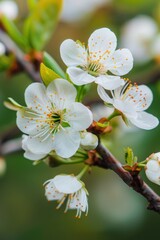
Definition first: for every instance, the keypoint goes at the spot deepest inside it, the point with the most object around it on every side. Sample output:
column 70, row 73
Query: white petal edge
column 121, row 62
column 67, row 184
column 79, row 201
column 143, row 92
column 72, row 53
column 145, row 121
column 66, row 143
column 51, row 192
column 61, row 93
column 79, row 116
column 28, row 154
column 109, row 82
column 103, row 95
column 38, row 145
column 26, row 121
column 79, row 77
column 102, row 43
column 36, row 98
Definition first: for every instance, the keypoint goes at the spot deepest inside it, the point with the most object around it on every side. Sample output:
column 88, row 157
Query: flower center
column 56, row 118
column 94, row 68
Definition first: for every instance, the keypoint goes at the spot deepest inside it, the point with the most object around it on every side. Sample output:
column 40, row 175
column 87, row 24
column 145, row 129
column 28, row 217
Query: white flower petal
column 142, row 97
column 66, row 142
column 79, row 76
column 79, row 201
column 126, row 107
column 145, row 121
column 121, row 62
column 103, row 95
column 51, row 191
column 61, row 93
column 155, row 156
column 109, row 82
column 28, row 154
column 27, row 121
column 79, row 116
column 39, row 145
column 153, row 165
column 67, row 184
column 102, row 43
column 72, row 53
column 36, row 99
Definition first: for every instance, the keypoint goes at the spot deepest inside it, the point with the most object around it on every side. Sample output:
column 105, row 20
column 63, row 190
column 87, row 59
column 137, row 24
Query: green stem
column 114, row 114
column 84, row 170
column 141, row 165
column 69, row 161
column 80, row 93
column 143, row 162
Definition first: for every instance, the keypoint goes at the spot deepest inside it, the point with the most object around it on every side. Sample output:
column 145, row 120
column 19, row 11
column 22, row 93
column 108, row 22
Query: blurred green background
column 115, row 211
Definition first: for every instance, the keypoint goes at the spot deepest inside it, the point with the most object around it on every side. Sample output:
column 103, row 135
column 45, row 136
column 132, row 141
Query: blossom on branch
column 92, row 64
column 152, row 168
column 68, row 187
column 132, row 101
column 52, row 119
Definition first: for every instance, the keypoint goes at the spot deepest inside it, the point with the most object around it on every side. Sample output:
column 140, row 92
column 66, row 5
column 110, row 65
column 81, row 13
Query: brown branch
column 27, row 66
column 132, row 179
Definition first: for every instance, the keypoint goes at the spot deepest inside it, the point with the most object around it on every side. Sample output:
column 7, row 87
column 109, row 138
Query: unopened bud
column 89, row 141
column 153, row 168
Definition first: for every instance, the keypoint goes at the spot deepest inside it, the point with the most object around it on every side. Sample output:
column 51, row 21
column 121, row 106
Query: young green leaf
column 52, row 64
column 47, row 74
column 41, row 22
column 129, row 156
column 14, row 33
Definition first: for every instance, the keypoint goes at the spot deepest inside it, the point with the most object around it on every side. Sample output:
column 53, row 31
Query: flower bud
column 153, row 168
column 89, row 141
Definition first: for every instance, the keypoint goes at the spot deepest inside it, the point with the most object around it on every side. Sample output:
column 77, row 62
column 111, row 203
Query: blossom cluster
column 56, row 124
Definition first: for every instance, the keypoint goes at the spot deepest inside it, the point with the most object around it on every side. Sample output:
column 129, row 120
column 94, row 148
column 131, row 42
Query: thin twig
column 108, row 161
column 20, row 57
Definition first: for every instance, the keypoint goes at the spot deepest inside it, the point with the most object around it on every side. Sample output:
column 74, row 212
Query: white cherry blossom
column 132, row 101
column 28, row 153
column 152, row 168
column 68, row 187
column 52, row 119
column 93, row 64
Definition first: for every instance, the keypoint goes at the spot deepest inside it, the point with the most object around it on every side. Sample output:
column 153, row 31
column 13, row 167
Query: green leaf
column 52, row 64
column 14, row 33
column 12, row 105
column 47, row 74
column 41, row 22
column 129, row 157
